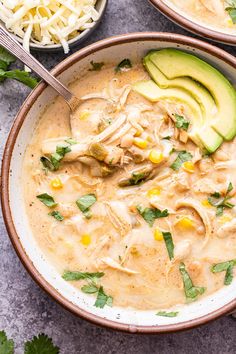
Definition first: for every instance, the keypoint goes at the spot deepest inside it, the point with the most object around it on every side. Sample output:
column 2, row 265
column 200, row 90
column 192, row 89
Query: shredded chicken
column 196, row 205
column 115, row 265
column 119, row 216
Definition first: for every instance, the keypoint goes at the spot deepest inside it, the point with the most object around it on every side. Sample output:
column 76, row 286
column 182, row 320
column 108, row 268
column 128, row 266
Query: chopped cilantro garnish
column 181, row 122
column 52, row 163
column 74, row 276
column 85, row 202
column 225, row 267
column 191, row 291
column 221, row 202
column 167, row 314
column 151, row 214
column 169, row 244
column 96, row 66
column 57, row 215
column 92, row 287
column 103, row 299
column 182, row 157
column 47, row 200
column 124, row 65
column 231, row 9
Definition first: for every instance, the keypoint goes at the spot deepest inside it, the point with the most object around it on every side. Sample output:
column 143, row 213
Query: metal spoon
column 15, row 48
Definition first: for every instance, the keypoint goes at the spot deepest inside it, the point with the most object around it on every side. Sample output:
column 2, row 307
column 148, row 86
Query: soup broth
column 126, row 196
column 217, row 14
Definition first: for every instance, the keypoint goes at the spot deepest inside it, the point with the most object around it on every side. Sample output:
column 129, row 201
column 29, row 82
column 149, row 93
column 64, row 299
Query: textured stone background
column 25, row 310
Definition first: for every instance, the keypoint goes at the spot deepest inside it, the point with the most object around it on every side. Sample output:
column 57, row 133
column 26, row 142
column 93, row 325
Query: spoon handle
column 15, row 48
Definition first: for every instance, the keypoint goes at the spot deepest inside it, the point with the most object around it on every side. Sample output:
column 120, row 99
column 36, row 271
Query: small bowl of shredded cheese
column 51, row 24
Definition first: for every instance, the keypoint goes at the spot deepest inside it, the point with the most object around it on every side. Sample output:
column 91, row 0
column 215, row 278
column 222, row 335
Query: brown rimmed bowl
column 114, row 49
column 194, row 26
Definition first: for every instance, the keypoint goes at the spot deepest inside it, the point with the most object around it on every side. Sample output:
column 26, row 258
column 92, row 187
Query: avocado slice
column 174, row 64
column 196, row 90
column 201, row 134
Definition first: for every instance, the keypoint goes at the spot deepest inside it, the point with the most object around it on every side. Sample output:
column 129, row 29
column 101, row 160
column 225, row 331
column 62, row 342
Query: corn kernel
column 138, row 133
column 185, row 223
column 225, row 218
column 141, row 143
column 206, row 203
column 56, row 183
column 154, row 192
column 84, row 115
column 188, row 166
column 156, row 156
column 158, row 236
column 85, row 240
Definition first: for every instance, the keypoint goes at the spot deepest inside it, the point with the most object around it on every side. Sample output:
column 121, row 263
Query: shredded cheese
column 48, row 22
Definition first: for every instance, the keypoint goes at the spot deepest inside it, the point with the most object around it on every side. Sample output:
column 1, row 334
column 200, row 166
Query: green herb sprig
column 151, row 214
column 91, row 287
column 221, row 202
column 225, row 267
column 40, row 344
column 191, row 291
column 167, row 314
column 169, row 244
column 6, row 59
column 182, row 157
column 84, row 204
column 181, row 122
column 52, row 163
column 231, row 9
column 124, row 65
column 96, row 66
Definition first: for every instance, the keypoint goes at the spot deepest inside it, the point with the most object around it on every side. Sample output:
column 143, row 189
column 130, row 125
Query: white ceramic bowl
column 100, row 7
column 133, row 46
column 192, row 24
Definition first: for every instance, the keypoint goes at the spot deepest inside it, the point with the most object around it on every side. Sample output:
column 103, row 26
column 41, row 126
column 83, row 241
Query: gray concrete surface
column 25, row 310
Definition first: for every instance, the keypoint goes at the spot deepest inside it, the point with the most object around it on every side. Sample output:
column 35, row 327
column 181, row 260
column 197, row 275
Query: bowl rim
column 192, row 26
column 73, row 41
column 5, row 199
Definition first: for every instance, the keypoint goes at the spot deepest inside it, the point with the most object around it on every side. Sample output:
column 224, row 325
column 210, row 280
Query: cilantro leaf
column 6, row 345
column 103, row 299
column 167, row 314
column 89, row 289
column 41, row 344
column 85, row 202
column 151, row 214
column 52, row 163
column 96, row 66
column 57, row 215
column 191, row 291
column 182, row 157
column 6, row 57
column 19, row 75
column 221, row 202
column 169, row 244
column 47, row 200
column 231, row 9
column 74, row 276
column 124, row 65
column 181, row 122
column 225, row 267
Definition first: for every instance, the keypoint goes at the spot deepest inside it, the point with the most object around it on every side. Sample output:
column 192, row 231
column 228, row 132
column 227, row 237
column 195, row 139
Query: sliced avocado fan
column 151, row 91
column 174, row 64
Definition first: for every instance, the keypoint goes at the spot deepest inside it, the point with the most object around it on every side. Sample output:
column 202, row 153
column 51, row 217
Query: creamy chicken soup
column 218, row 14
column 123, row 203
